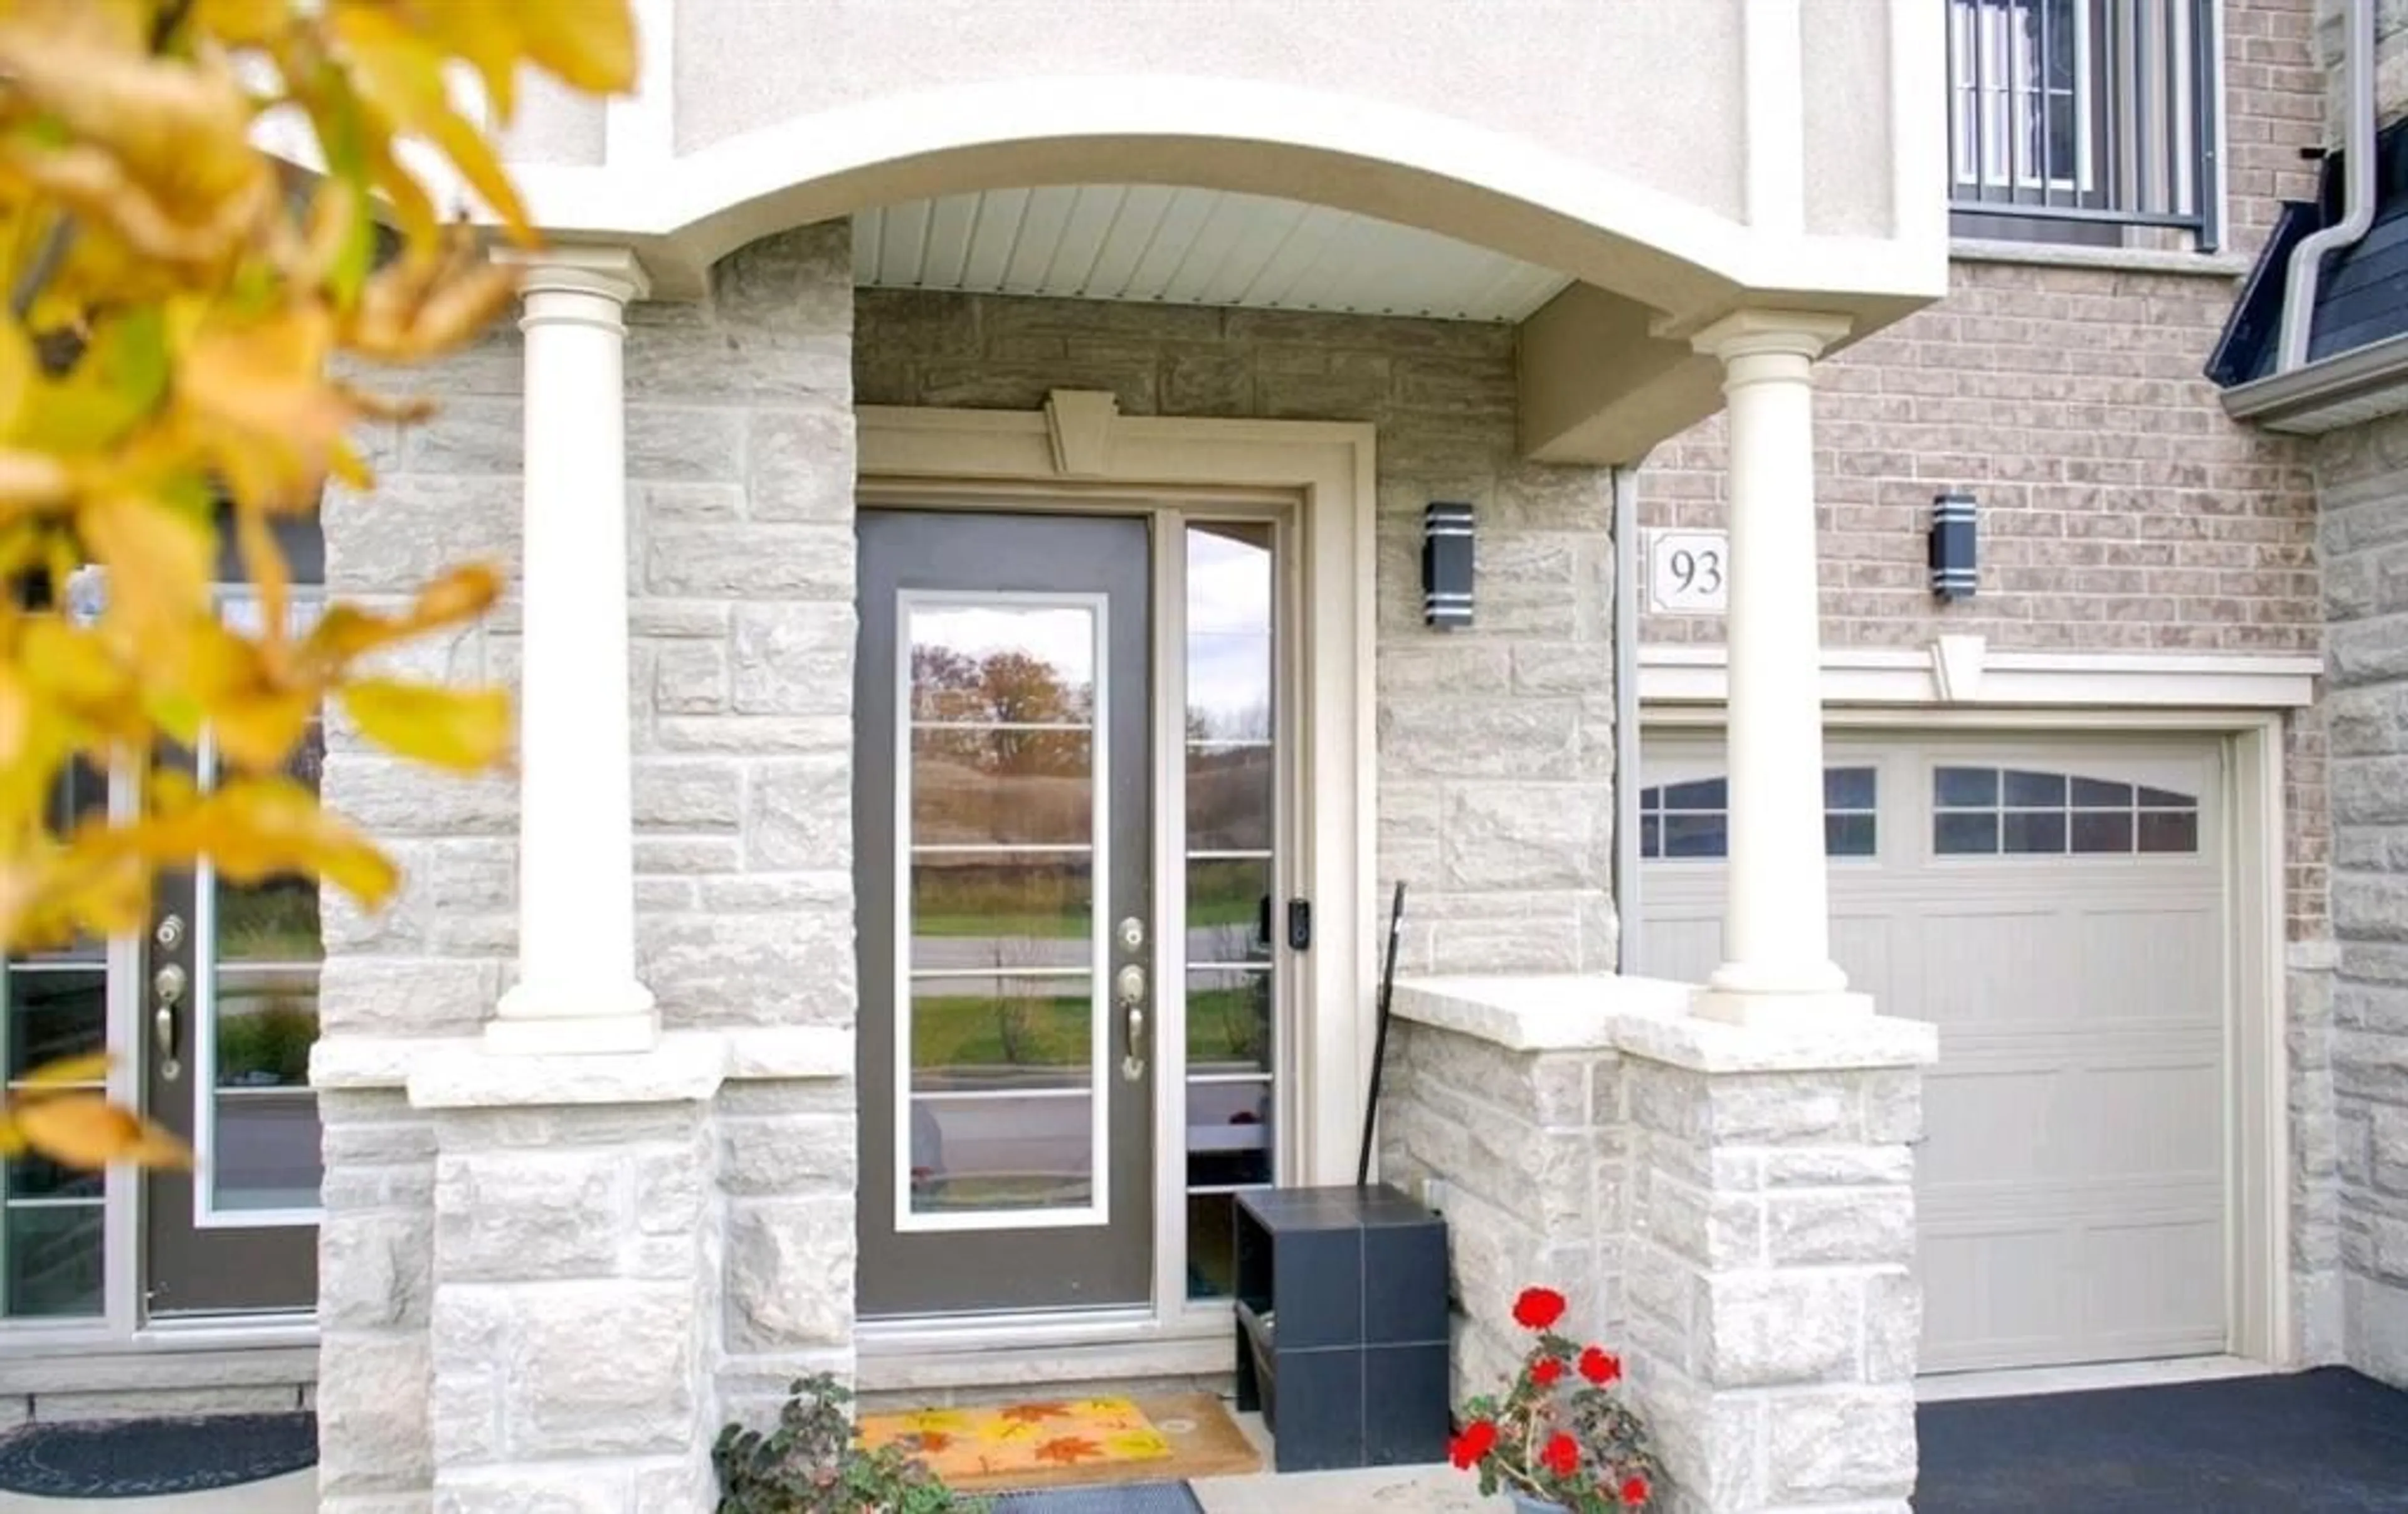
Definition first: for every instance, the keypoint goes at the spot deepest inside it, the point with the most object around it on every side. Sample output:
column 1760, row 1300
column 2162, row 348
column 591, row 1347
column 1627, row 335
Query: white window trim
column 1079, row 446
column 1985, row 16
column 1962, row 671
column 1097, row 1211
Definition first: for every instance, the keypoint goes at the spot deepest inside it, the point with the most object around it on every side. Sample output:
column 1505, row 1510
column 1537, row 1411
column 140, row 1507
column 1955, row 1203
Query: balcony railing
column 2076, row 120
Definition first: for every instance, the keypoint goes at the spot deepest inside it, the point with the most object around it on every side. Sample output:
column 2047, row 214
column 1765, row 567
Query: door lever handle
column 1130, row 988
column 168, row 984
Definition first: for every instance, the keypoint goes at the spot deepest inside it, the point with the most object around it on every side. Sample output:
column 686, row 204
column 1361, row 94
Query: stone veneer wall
column 2363, row 474
column 1744, row 1239
column 1505, row 839
column 740, row 453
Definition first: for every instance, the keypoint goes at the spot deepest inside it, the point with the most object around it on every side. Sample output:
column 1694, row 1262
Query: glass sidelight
column 1234, row 898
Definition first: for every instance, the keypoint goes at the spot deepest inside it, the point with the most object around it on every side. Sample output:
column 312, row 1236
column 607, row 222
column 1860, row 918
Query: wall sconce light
column 1953, row 545
column 1446, row 565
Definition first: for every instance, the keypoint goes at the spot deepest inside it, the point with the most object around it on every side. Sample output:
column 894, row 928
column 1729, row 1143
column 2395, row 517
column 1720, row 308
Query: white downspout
column 2358, row 193
column 1626, row 717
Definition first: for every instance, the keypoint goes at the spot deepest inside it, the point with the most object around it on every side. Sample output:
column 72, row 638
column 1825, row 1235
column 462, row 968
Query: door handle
column 1130, row 988
column 168, row 985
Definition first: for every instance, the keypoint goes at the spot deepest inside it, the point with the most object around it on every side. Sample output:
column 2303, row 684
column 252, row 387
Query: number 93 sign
column 1688, row 572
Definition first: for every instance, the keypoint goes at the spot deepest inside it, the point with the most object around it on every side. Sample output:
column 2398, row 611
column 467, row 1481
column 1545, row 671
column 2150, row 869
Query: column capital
column 1751, row 333
column 609, row 273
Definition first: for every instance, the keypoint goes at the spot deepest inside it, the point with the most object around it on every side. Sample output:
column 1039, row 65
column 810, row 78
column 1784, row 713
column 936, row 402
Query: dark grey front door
column 1002, row 855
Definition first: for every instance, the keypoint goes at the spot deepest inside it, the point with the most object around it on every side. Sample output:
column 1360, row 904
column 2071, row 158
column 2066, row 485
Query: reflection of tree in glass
column 1002, row 751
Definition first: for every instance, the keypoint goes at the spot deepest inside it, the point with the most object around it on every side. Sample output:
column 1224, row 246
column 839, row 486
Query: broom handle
column 1379, row 1037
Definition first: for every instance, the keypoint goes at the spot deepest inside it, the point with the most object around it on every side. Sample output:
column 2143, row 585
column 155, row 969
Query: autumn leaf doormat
column 1064, row 1442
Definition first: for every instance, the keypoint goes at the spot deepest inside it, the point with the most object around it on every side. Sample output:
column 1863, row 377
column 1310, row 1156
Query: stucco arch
column 1415, row 167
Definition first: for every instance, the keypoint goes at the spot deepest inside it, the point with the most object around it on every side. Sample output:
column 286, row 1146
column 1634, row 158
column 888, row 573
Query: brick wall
column 1506, row 838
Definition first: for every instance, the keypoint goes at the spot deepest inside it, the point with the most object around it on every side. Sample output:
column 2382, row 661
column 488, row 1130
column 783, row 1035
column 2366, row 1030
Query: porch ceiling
column 1182, row 246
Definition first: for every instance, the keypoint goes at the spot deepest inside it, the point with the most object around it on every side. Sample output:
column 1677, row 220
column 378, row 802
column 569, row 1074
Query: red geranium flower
column 1562, row 1456
column 1599, row 1367
column 1634, row 1492
column 1538, row 1309
column 1547, row 1371
column 1478, row 1440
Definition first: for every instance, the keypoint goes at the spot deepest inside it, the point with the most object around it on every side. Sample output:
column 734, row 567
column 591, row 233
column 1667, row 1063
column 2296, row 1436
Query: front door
column 228, row 996
column 1003, row 811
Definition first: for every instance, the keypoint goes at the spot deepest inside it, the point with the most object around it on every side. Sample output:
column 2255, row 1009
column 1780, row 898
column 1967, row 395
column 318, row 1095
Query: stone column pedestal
column 1728, row 1206
column 574, row 1319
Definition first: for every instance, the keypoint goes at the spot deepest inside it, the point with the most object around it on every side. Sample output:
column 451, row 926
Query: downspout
column 2358, row 193
column 1626, row 715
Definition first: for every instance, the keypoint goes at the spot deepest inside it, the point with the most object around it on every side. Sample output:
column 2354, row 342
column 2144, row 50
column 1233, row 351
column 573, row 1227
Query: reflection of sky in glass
column 1229, row 629
column 1062, row 638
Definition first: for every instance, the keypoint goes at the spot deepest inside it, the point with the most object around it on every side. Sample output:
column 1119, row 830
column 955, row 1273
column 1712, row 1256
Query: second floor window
column 2083, row 120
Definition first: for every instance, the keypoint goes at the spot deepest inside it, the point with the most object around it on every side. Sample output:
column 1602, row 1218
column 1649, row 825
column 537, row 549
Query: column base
column 546, row 1021
column 1777, row 1010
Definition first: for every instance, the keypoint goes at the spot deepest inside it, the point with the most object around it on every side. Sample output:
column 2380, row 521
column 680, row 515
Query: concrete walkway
column 1405, row 1490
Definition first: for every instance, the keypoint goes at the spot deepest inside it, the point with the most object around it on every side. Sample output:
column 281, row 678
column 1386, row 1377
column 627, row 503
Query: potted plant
column 1561, row 1440
column 811, row 1463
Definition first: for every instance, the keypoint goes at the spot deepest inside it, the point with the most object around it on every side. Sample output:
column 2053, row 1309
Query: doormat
column 142, row 1458
column 1142, row 1498
column 1069, row 1443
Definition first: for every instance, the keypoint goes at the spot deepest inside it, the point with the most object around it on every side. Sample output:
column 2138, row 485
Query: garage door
column 2056, row 907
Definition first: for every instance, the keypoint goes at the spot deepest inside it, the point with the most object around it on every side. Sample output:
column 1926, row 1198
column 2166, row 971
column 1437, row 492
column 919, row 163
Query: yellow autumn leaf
column 260, row 827
column 12, row 1140
column 85, row 1130
column 590, row 44
column 243, row 22
column 346, row 632
column 399, row 73
column 69, row 1070
column 464, row 728
column 159, row 559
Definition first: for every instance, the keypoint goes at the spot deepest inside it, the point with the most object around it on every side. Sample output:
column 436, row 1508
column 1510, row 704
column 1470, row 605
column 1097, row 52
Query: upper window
column 2012, row 811
column 1691, row 821
column 2087, row 121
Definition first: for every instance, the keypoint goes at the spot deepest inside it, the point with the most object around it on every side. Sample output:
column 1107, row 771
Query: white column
column 577, row 988
column 1776, row 920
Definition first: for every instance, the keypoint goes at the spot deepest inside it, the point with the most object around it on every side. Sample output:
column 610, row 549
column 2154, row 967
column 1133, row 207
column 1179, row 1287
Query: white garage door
column 2056, row 907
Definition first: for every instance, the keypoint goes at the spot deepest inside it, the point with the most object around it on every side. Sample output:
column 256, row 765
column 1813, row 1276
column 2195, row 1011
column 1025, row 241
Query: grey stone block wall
column 1496, row 742
column 1746, row 1241
column 1526, row 1148
column 2358, row 1046
column 740, row 465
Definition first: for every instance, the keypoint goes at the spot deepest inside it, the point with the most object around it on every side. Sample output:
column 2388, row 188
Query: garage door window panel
column 2025, row 812
column 1690, row 820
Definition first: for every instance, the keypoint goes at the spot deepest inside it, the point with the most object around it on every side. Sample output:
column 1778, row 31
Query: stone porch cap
column 1651, row 1017
column 444, row 1072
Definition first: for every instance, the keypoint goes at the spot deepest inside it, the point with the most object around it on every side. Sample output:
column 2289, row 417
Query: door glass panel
column 1233, row 909
column 1002, row 910
column 1005, row 802
column 55, row 1006
column 258, row 1135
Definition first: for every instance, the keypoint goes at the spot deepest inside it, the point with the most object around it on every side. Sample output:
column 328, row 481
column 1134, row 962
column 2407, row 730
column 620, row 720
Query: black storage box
column 1343, row 1326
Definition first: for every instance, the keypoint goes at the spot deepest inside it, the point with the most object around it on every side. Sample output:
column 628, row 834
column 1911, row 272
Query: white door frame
column 1079, row 453
column 2241, row 701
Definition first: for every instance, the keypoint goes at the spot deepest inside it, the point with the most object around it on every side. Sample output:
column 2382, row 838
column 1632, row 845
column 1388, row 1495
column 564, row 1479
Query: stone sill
column 460, row 1071
column 1651, row 1017
column 2105, row 259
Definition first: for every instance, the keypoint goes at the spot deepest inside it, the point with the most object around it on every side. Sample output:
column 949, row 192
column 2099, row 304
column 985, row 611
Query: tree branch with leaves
column 180, row 303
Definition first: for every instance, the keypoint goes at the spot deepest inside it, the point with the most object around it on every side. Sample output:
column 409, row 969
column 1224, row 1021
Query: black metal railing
column 2074, row 120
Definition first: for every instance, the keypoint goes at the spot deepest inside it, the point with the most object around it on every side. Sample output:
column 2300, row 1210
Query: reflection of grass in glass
column 1005, row 1191
column 267, row 1047
column 275, row 922
column 974, row 1031
column 964, row 901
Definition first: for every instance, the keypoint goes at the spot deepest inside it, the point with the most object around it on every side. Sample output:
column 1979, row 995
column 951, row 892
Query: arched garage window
column 1691, row 820
column 2022, row 812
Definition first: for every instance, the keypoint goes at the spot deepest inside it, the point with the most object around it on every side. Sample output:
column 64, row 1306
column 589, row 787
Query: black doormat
column 1146, row 1498
column 2321, row 1442
column 144, row 1458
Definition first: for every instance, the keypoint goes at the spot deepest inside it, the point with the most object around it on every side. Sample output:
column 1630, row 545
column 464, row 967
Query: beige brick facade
column 2120, row 510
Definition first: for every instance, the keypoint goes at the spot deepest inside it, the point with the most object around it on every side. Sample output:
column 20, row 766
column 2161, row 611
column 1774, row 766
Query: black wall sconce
column 1953, row 545
column 1446, row 565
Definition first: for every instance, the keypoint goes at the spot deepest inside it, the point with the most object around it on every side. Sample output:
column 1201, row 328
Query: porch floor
column 2323, row 1442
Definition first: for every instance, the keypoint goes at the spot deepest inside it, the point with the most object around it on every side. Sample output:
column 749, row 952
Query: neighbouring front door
column 1003, row 818
column 228, row 1011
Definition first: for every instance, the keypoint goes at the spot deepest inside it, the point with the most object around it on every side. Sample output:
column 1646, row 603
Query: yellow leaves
column 399, row 75
column 57, row 1112
column 255, row 828
column 462, row 729
column 346, row 632
column 254, row 392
